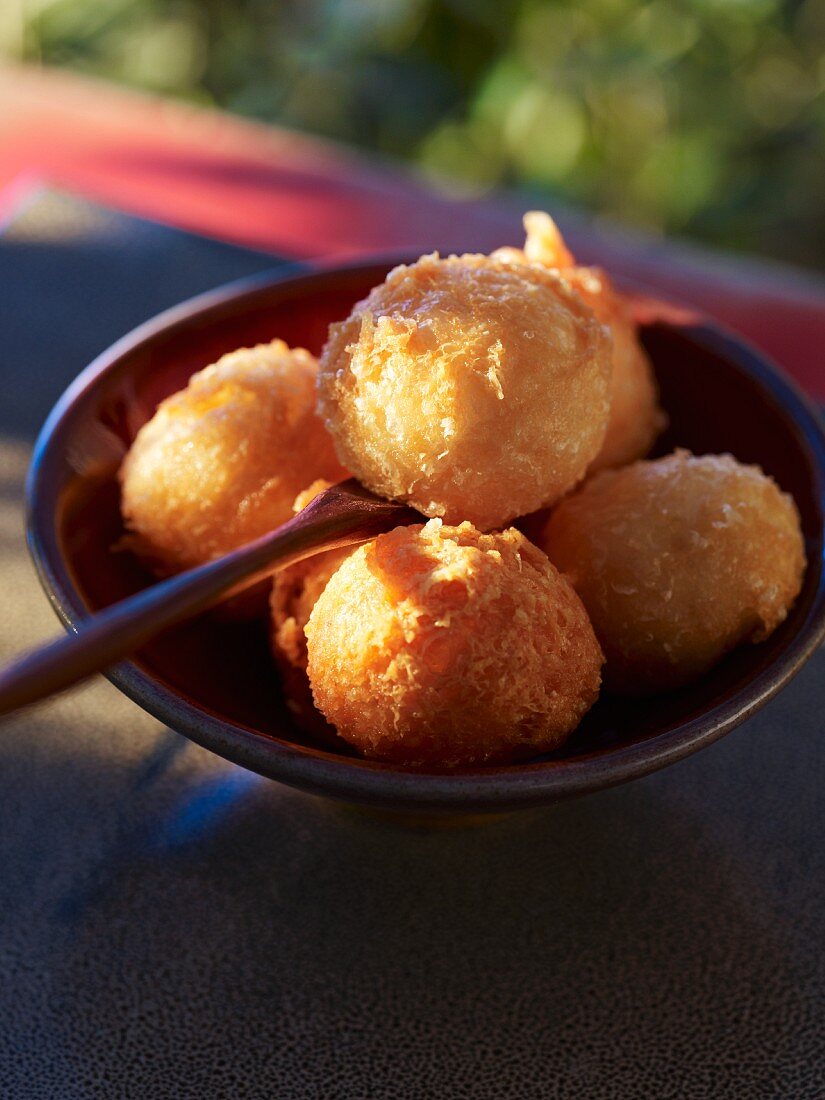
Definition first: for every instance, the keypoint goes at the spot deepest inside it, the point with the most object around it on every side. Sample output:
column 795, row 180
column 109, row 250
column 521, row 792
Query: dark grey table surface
column 172, row 926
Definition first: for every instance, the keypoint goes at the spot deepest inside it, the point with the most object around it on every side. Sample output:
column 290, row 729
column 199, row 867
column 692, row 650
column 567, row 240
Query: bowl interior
column 719, row 396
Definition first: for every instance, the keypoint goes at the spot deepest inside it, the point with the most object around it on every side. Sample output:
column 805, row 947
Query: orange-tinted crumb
column 472, row 388
column 677, row 562
column 294, row 592
column 437, row 645
column 635, row 416
column 220, row 463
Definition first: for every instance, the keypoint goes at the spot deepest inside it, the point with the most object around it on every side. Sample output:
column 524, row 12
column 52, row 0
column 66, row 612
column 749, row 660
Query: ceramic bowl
column 214, row 681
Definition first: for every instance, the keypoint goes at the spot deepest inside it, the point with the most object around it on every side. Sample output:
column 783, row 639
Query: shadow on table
column 257, row 942
column 76, row 277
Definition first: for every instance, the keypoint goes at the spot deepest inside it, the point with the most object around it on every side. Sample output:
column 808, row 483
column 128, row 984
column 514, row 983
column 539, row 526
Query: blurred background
column 702, row 118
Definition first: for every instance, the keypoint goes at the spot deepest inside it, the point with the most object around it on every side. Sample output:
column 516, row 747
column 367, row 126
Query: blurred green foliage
column 700, row 117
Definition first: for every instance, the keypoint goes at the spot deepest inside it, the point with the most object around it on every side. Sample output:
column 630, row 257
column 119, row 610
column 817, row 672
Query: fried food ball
column 294, row 594
column 471, row 388
column 635, row 416
column 678, row 561
column 436, row 645
column 220, row 463
column 295, row 591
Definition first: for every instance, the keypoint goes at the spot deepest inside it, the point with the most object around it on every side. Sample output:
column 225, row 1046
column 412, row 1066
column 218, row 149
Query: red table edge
column 302, row 197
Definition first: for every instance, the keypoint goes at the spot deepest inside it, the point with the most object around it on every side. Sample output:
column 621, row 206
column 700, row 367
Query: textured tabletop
column 172, row 926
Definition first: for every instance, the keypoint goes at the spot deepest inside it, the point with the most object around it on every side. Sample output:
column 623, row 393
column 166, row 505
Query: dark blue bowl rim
column 360, row 781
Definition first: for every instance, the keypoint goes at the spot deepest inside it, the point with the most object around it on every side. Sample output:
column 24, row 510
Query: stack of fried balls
column 477, row 389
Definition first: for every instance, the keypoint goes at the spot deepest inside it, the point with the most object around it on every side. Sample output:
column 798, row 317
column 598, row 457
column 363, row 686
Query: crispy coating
column 544, row 243
column 471, row 388
column 441, row 646
column 294, row 593
column 220, row 462
column 635, row 416
column 678, row 561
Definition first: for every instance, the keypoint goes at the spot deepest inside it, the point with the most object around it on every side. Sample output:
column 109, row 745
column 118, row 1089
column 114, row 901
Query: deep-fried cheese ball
column 220, row 463
column 635, row 416
column 678, row 561
column 471, row 388
column 294, row 594
column 295, row 591
column 437, row 645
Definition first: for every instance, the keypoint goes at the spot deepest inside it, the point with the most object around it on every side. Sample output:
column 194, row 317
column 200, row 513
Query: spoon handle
column 335, row 518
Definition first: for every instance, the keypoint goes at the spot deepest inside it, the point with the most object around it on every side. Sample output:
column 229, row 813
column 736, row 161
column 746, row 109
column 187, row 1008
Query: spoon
column 343, row 515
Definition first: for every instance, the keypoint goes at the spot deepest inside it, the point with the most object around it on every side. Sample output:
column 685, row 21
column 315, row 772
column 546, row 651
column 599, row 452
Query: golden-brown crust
column 472, row 388
column 635, row 416
column 441, row 646
column 678, row 561
column 220, row 462
column 295, row 591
